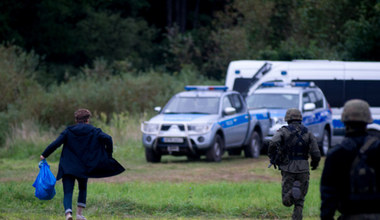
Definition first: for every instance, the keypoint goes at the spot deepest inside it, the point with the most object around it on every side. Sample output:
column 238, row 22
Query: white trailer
column 339, row 80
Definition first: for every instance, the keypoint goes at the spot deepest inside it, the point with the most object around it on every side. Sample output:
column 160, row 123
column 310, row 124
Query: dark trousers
column 68, row 182
column 287, row 184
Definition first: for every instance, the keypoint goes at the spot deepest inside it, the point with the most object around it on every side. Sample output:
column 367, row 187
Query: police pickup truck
column 277, row 97
column 205, row 120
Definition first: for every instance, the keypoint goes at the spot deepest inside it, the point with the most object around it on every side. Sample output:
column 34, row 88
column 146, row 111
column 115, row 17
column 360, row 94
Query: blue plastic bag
column 45, row 182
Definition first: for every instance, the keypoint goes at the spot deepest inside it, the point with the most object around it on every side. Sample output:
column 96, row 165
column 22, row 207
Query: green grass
column 144, row 198
column 162, row 199
column 236, row 188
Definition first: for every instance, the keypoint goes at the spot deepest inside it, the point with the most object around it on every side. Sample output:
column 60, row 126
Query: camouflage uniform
column 296, row 171
column 336, row 189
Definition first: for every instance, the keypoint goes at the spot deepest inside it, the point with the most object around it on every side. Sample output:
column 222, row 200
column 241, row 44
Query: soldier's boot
column 296, row 191
column 288, row 200
column 297, row 213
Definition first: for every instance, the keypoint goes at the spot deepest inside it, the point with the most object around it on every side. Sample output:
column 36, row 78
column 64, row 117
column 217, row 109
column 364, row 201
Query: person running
column 289, row 149
column 87, row 153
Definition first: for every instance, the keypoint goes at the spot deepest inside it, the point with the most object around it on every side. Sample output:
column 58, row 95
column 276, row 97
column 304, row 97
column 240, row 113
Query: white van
column 340, row 81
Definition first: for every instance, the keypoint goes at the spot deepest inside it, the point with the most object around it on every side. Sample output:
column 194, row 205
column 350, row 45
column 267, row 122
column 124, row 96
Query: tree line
column 207, row 34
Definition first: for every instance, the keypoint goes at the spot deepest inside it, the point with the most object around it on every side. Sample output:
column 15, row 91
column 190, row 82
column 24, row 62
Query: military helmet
column 356, row 110
column 293, row 114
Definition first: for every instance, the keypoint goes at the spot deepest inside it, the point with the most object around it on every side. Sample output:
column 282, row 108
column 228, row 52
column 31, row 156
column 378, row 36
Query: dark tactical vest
column 363, row 183
column 296, row 146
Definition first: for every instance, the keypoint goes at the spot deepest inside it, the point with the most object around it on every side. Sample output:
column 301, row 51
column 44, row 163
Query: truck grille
column 166, row 127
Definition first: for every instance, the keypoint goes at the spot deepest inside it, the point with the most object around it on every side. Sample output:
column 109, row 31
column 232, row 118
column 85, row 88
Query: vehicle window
column 339, row 91
column 192, row 105
column 313, row 99
column 281, row 101
column 363, row 89
column 226, row 102
column 237, row 104
column 334, row 90
column 305, row 98
column 319, row 102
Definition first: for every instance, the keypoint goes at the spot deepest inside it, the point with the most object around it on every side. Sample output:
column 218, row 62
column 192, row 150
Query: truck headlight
column 149, row 127
column 199, row 128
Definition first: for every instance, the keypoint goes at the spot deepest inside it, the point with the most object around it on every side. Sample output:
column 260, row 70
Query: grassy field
column 236, row 188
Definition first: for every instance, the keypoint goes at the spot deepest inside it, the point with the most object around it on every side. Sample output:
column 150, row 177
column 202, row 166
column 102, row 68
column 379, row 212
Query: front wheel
column 254, row 146
column 215, row 153
column 152, row 156
column 326, row 143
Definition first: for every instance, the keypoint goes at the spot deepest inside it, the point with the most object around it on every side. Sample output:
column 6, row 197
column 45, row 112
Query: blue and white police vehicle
column 278, row 97
column 205, row 120
column 340, row 81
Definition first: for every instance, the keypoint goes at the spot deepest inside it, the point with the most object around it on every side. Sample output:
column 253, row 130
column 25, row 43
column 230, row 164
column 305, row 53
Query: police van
column 278, row 97
column 340, row 81
column 205, row 120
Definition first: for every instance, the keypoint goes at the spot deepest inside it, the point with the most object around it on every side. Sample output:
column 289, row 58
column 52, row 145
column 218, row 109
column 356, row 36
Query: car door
column 234, row 125
column 240, row 120
column 321, row 113
column 227, row 121
column 309, row 119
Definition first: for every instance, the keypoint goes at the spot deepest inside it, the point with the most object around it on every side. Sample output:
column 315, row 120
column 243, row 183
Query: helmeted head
column 293, row 114
column 356, row 110
column 82, row 115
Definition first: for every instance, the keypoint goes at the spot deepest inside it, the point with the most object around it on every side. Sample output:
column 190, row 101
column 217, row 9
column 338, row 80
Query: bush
column 17, row 70
column 129, row 92
column 97, row 88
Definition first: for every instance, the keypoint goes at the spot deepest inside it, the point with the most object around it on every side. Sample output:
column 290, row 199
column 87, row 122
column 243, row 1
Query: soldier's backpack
column 363, row 176
column 296, row 146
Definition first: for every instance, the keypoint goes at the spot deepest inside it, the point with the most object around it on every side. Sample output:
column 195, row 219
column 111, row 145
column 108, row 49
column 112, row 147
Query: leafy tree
column 110, row 36
column 362, row 38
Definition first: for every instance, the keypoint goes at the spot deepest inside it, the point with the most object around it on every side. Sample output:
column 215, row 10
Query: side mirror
column 309, row 107
column 229, row 111
column 157, row 109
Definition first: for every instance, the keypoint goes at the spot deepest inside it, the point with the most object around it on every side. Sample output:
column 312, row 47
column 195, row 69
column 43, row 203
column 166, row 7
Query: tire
column 253, row 149
column 234, row 152
column 215, row 153
column 325, row 145
column 152, row 156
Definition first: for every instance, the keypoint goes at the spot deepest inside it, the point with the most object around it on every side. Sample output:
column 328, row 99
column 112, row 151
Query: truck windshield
column 192, row 105
column 283, row 101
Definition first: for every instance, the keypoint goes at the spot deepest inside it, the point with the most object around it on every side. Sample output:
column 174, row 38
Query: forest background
column 127, row 56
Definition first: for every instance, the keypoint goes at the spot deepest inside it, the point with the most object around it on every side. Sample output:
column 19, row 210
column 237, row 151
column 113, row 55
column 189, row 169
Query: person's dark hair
column 82, row 115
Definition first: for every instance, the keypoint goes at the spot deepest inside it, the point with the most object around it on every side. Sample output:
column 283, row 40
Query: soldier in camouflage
column 355, row 198
column 295, row 143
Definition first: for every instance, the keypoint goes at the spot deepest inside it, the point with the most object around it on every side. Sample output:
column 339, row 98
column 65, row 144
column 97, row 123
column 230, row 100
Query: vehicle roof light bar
column 273, row 84
column 282, row 84
column 303, row 84
column 206, row 88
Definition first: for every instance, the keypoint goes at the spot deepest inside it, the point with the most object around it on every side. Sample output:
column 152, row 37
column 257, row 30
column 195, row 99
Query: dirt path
column 231, row 169
column 171, row 169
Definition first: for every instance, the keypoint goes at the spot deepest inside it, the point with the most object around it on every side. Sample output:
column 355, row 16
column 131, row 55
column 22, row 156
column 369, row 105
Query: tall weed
column 28, row 139
column 129, row 92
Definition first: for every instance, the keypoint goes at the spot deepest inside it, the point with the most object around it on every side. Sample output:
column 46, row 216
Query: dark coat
column 87, row 152
column 335, row 180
